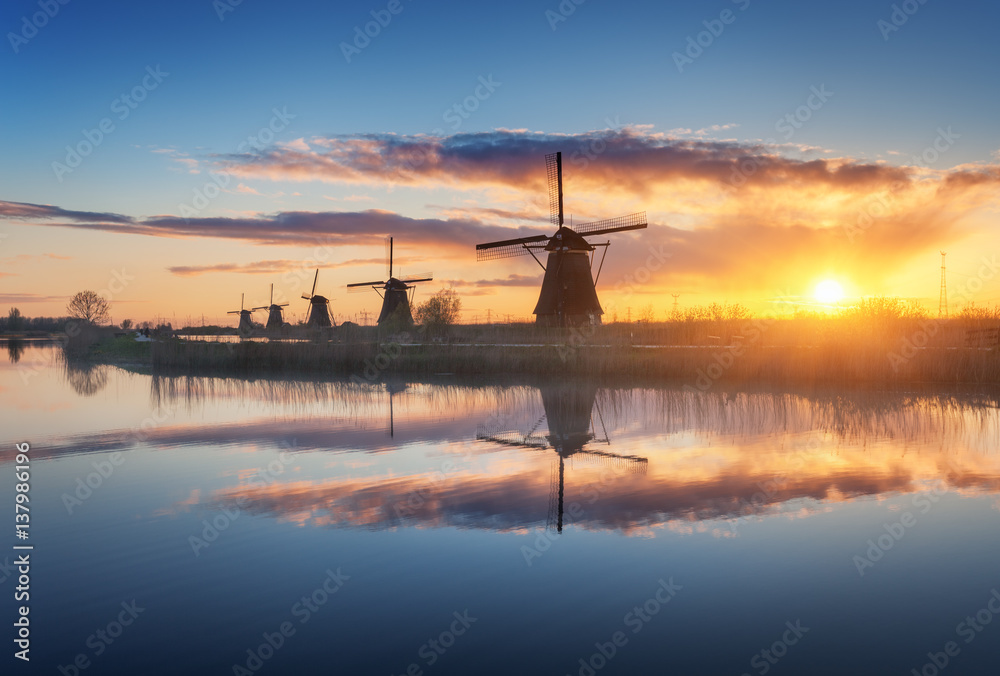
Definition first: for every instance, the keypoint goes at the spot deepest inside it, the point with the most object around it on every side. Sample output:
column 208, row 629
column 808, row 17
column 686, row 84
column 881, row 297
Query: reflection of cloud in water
column 710, row 455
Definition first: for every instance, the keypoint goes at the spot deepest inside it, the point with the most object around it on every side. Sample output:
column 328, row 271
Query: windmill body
column 275, row 317
column 246, row 318
column 319, row 308
column 568, row 296
column 395, row 292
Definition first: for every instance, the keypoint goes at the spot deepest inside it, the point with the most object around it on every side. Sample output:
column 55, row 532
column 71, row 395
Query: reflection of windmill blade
column 511, row 438
column 553, row 171
column 507, row 248
column 632, row 463
column 630, row 222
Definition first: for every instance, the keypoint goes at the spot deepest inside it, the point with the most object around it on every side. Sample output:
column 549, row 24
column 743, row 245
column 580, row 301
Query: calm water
column 415, row 527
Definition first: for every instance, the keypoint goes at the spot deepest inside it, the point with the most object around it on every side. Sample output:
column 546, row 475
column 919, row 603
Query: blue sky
column 606, row 64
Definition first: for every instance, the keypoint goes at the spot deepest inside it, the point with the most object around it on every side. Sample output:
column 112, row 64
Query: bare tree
column 89, row 307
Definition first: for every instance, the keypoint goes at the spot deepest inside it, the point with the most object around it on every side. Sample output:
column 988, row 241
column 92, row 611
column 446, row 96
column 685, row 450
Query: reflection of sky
column 461, row 545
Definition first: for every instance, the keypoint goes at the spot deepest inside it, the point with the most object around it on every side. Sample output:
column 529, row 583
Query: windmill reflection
column 569, row 414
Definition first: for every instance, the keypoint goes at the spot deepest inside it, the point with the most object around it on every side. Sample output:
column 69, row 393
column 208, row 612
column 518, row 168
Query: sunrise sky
column 201, row 150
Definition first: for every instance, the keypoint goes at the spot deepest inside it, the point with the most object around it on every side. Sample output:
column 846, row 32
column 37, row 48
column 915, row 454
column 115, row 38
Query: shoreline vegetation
column 881, row 347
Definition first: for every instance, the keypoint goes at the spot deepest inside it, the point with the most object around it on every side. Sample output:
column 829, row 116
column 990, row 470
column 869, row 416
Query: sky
column 175, row 156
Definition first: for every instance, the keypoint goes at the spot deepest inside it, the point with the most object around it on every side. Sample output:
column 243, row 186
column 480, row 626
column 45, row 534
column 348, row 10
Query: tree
column 89, row 307
column 440, row 310
column 14, row 319
column 126, row 324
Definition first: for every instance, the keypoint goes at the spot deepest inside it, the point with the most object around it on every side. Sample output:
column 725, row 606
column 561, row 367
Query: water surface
column 448, row 527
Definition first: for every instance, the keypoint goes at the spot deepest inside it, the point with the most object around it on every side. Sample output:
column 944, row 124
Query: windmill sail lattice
column 396, row 292
column 568, row 296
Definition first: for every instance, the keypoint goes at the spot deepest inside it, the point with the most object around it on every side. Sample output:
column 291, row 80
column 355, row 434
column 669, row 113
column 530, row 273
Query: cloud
column 29, row 298
column 269, row 267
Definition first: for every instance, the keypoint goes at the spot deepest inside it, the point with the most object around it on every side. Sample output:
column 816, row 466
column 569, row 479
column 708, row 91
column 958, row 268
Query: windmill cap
column 566, row 238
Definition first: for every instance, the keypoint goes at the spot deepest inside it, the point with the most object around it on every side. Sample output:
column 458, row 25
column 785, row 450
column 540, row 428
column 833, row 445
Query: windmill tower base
column 319, row 313
column 568, row 296
column 396, row 308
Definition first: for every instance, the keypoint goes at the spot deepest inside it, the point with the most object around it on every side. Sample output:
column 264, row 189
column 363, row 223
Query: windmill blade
column 388, row 257
column 262, row 307
column 509, row 248
column 421, row 277
column 315, row 279
column 307, row 296
column 553, row 170
column 282, row 304
column 270, row 300
column 234, row 312
column 349, row 286
column 630, row 222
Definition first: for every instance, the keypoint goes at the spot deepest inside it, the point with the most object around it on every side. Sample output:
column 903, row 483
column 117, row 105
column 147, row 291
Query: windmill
column 569, row 411
column 396, row 293
column 319, row 311
column 246, row 323
column 275, row 320
column 569, row 295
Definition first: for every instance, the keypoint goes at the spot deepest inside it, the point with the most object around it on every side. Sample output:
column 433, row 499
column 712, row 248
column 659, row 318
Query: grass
column 879, row 343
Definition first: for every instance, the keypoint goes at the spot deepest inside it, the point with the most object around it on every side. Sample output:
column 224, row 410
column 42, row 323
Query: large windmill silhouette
column 246, row 322
column 396, row 293
column 275, row 320
column 569, row 294
column 569, row 410
column 319, row 310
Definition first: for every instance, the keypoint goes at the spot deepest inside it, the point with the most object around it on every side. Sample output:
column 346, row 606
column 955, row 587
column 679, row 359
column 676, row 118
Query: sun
column 829, row 291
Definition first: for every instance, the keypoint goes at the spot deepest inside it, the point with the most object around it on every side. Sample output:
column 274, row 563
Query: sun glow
column 829, row 291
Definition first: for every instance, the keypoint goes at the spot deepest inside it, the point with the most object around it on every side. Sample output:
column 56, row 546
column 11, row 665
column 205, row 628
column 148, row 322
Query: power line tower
column 943, row 300
column 676, row 296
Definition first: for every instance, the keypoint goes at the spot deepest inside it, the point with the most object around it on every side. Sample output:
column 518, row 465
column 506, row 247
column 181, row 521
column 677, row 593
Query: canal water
column 232, row 526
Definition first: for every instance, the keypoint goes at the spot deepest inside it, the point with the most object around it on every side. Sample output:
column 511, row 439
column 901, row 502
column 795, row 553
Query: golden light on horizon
column 829, row 291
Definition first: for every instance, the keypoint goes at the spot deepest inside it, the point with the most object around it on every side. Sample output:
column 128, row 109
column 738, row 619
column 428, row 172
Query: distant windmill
column 246, row 323
column 569, row 414
column 275, row 320
column 394, row 292
column 319, row 311
column 569, row 295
